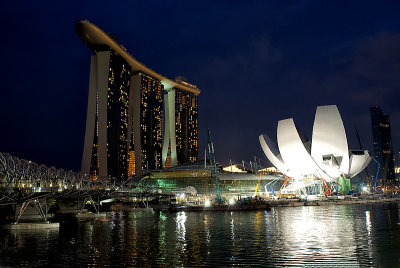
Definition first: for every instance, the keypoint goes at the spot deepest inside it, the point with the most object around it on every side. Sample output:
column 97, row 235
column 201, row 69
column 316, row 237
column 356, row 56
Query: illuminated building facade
column 186, row 126
column 137, row 119
column 326, row 157
column 180, row 129
column 106, row 139
column 383, row 148
column 149, row 114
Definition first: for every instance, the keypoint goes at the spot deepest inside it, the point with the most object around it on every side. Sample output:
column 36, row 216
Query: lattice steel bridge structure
column 24, row 183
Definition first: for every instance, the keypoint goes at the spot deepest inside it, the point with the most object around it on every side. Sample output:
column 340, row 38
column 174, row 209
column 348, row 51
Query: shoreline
column 289, row 203
column 328, row 202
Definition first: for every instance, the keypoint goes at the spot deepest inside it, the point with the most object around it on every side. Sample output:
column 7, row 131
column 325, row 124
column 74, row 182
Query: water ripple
column 332, row 236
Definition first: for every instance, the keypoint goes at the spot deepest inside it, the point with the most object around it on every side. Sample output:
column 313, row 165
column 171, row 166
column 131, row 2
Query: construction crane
column 211, row 155
column 377, row 163
column 361, row 148
column 328, row 190
column 258, row 183
column 377, row 172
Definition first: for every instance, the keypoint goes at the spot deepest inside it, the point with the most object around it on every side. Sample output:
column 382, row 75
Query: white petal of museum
column 327, row 156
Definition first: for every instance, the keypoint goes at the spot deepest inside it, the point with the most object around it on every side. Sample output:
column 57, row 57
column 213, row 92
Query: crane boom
column 258, row 183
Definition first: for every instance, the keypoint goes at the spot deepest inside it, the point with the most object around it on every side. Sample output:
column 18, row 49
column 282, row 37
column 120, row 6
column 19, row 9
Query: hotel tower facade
column 136, row 119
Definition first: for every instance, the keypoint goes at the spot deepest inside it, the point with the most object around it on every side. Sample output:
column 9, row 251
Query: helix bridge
column 24, row 183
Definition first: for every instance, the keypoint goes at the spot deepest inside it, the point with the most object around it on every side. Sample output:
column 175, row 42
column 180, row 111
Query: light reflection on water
column 352, row 235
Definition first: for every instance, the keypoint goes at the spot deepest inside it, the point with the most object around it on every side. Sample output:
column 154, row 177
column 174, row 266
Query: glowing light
column 328, row 158
column 368, row 222
column 106, row 201
column 181, row 230
column 234, row 169
column 207, row 203
column 231, row 201
column 365, row 188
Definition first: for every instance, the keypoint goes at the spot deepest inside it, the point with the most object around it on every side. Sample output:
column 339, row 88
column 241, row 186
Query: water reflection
column 181, row 233
column 355, row 235
column 20, row 245
column 311, row 235
column 232, row 230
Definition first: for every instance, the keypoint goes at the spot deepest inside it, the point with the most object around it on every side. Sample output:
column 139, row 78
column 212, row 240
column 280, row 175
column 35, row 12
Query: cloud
column 365, row 72
column 375, row 69
column 256, row 53
column 368, row 96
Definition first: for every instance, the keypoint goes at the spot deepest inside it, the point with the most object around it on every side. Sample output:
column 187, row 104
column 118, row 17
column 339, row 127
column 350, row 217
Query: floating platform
column 35, row 217
column 222, row 208
column 128, row 208
column 70, row 211
column 31, row 226
column 141, row 209
column 90, row 215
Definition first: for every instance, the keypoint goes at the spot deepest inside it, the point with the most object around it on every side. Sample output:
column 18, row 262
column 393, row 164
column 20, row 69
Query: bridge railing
column 21, row 173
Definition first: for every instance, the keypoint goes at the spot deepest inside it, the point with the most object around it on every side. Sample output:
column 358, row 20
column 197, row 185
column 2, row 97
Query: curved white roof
column 272, row 152
column 329, row 137
column 294, row 152
column 329, row 156
column 358, row 162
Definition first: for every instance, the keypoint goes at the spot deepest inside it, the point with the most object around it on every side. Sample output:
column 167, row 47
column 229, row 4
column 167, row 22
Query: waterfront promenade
column 370, row 199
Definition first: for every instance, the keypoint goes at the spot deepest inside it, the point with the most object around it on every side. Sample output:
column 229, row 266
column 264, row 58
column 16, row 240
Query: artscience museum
column 325, row 161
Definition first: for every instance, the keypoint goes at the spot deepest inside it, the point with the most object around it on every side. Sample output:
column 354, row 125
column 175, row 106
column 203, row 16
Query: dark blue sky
column 256, row 62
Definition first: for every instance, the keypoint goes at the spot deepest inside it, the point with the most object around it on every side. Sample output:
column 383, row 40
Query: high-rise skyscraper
column 180, row 135
column 136, row 118
column 383, row 148
column 149, row 112
column 106, row 139
column 186, row 126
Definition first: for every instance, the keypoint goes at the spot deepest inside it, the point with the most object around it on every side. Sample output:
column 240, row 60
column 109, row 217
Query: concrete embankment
column 328, row 202
column 31, row 226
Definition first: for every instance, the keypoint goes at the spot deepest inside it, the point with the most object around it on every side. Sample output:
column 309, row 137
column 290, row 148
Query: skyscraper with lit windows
column 106, row 139
column 180, row 130
column 383, row 148
column 136, row 118
column 186, row 126
column 148, row 110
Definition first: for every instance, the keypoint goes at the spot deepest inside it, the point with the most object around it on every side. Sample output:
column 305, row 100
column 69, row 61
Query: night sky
column 256, row 62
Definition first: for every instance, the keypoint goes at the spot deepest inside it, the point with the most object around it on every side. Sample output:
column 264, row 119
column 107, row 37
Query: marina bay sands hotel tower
column 136, row 119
